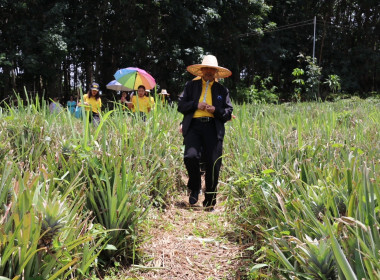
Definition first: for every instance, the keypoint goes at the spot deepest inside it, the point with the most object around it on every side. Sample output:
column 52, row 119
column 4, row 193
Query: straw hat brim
column 220, row 73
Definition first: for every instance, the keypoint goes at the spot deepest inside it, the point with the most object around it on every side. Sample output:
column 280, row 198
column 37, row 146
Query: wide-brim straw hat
column 212, row 62
column 164, row 92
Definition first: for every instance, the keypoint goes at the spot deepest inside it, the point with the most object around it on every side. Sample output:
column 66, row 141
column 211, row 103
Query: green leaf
column 258, row 266
column 340, row 257
column 110, row 247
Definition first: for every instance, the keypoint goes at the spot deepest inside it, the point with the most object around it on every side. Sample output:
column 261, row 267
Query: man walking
column 206, row 106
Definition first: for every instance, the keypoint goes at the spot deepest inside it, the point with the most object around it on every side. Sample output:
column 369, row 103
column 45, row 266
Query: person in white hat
column 206, row 107
column 164, row 96
column 147, row 94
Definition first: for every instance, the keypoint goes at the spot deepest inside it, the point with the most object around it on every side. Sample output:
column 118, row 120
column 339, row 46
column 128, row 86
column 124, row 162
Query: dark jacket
column 188, row 104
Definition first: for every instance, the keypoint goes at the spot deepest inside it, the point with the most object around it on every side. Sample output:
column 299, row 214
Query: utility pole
column 315, row 27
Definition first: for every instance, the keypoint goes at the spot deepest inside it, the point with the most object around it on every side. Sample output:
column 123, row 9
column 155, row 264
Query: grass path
column 188, row 243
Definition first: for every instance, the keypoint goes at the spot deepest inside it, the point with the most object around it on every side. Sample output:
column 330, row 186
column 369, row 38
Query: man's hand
column 210, row 109
column 202, row 105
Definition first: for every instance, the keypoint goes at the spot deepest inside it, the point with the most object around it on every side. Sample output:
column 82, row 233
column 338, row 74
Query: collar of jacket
column 199, row 90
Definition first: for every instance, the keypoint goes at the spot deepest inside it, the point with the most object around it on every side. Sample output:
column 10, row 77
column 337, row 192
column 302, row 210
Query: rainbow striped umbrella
column 133, row 77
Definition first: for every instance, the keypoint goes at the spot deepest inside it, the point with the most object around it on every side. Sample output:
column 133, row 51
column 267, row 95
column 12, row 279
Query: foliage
column 299, row 181
column 301, row 186
column 309, row 89
column 297, row 73
column 333, row 81
column 80, row 192
column 344, row 46
column 313, row 75
column 43, row 232
column 313, row 72
column 57, row 47
column 119, row 202
column 261, row 91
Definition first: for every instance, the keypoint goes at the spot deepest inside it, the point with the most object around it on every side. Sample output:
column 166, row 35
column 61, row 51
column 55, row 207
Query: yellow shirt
column 151, row 101
column 203, row 113
column 163, row 99
column 142, row 104
column 95, row 105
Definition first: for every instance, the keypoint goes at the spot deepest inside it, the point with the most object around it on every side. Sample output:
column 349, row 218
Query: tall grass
column 42, row 230
column 80, row 192
column 303, row 180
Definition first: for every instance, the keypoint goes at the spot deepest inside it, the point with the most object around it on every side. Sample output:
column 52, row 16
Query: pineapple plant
column 4, row 149
column 319, row 209
column 67, row 151
column 341, row 206
column 314, row 256
column 53, row 218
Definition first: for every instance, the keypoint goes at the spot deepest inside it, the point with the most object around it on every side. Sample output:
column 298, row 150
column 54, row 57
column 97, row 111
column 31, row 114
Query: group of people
column 56, row 107
column 91, row 102
column 206, row 107
column 141, row 103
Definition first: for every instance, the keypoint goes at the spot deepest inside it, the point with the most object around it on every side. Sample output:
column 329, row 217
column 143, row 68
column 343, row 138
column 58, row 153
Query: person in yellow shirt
column 93, row 103
column 206, row 106
column 141, row 103
column 147, row 93
column 164, row 97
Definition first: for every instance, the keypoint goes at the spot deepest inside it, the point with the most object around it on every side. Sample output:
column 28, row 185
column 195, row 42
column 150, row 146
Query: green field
column 300, row 183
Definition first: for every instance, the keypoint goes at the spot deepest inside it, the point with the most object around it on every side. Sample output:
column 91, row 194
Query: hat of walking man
column 206, row 107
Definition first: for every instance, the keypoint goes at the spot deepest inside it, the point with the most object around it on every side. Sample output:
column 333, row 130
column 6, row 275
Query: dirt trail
column 189, row 243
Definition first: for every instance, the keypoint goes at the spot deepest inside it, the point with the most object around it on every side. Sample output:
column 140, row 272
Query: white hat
column 212, row 62
column 164, row 92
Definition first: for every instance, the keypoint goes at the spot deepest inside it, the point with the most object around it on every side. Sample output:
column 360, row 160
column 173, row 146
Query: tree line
column 53, row 47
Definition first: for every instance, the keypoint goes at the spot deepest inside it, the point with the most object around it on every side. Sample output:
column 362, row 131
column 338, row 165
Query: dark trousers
column 95, row 117
column 202, row 137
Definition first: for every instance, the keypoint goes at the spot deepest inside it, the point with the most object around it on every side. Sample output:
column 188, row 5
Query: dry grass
column 188, row 243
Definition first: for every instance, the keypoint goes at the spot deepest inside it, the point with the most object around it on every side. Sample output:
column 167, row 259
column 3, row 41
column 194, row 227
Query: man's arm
column 186, row 102
column 224, row 113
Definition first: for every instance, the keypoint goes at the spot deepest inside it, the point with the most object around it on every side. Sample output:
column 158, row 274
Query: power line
column 332, row 25
column 288, row 26
column 280, row 28
column 296, row 23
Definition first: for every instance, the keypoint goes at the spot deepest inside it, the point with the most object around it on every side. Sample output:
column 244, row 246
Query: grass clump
column 307, row 198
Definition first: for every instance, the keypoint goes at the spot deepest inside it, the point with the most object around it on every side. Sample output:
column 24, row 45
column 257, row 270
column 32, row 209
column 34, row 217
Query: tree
column 57, row 46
